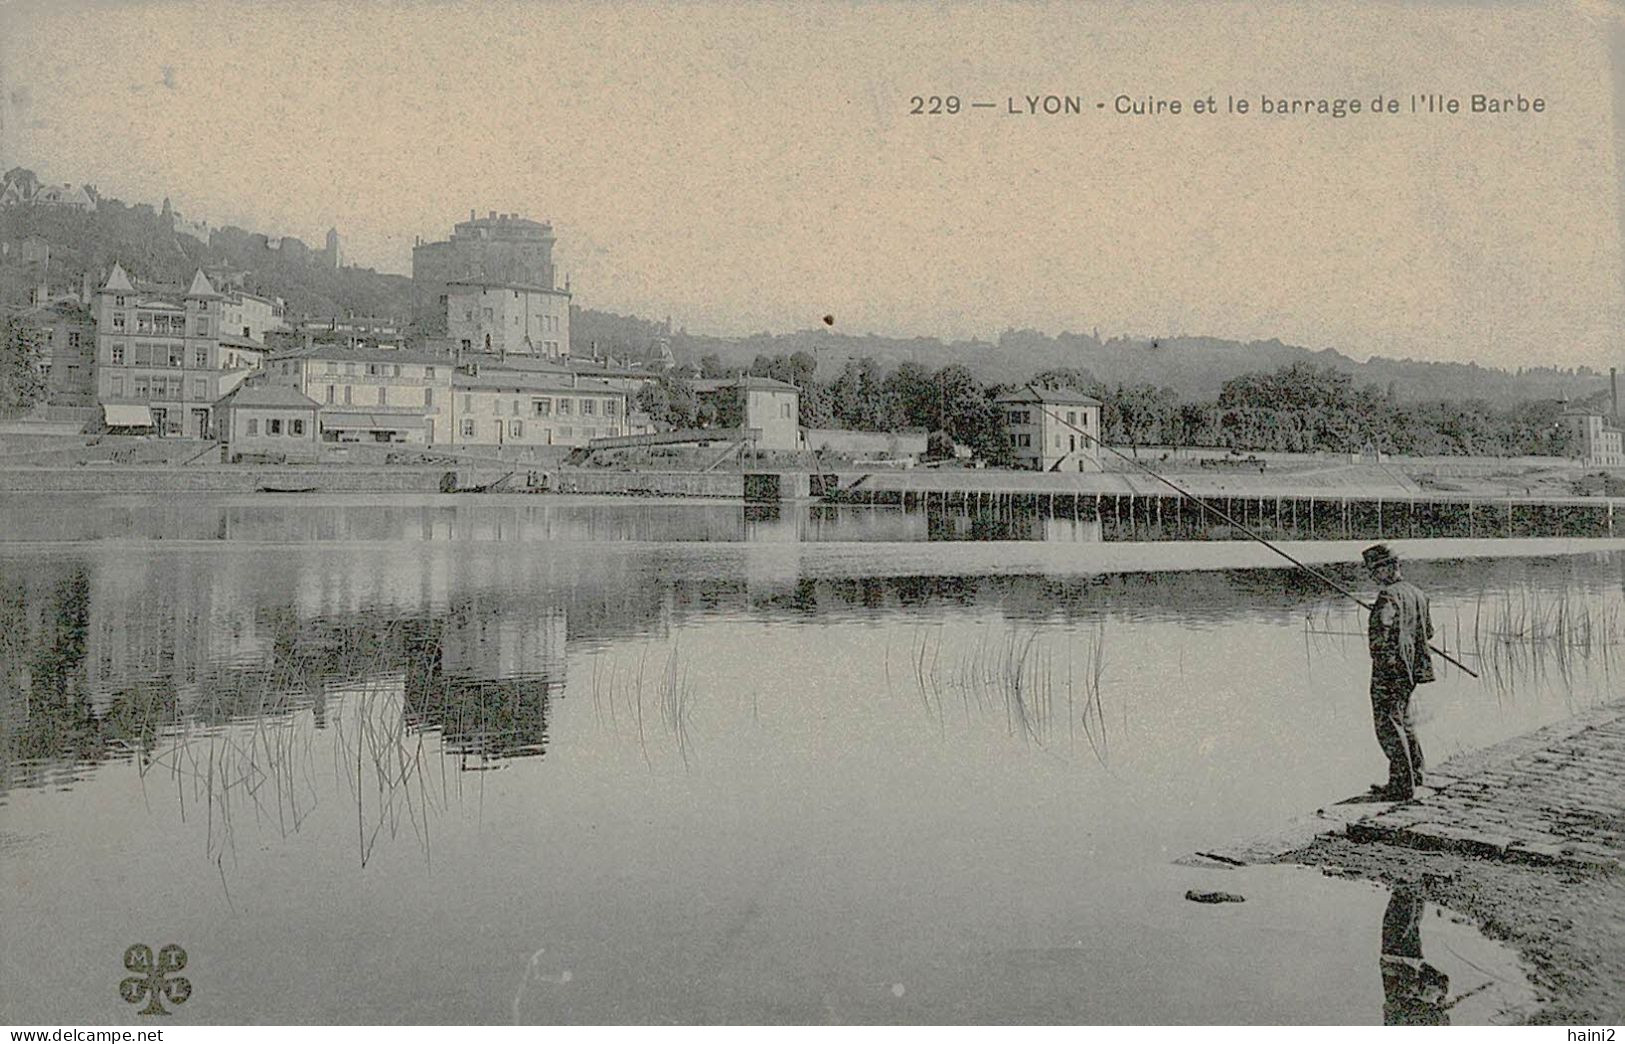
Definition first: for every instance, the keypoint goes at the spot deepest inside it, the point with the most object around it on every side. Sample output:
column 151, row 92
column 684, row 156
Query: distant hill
column 145, row 242
column 1193, row 367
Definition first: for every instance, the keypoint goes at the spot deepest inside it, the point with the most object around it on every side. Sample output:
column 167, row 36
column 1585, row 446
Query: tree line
column 1295, row 408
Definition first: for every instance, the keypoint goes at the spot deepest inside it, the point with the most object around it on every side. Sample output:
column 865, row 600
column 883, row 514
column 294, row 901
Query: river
column 471, row 760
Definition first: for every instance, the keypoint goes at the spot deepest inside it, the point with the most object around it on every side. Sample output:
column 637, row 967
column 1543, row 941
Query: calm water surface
column 444, row 760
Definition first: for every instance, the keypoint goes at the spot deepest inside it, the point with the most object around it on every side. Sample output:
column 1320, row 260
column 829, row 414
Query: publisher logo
column 155, row 979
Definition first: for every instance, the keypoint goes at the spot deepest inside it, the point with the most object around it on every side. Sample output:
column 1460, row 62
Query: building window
column 177, row 356
column 468, row 345
column 544, row 407
column 1024, row 440
column 138, row 388
column 382, row 395
column 203, row 326
column 784, row 410
column 564, row 407
column 118, row 302
column 253, row 426
column 73, row 338
column 1072, row 416
column 516, row 428
column 118, row 320
column 428, row 396
column 428, row 373
column 332, row 393
column 296, row 426
column 346, row 395
column 273, row 426
column 200, row 388
column 588, row 407
column 118, row 353
column 200, row 358
column 468, row 427
column 611, row 408
column 372, row 369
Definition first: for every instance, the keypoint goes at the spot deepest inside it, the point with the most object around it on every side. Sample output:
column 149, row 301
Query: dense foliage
column 1296, row 408
column 22, row 383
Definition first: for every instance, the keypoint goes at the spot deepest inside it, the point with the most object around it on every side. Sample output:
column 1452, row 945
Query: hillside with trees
column 1194, row 368
column 144, row 240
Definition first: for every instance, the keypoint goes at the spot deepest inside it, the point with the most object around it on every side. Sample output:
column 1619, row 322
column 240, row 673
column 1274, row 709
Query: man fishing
column 1399, row 630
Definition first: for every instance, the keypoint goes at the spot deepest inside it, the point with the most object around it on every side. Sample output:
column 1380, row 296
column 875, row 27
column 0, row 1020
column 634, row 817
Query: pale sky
column 747, row 167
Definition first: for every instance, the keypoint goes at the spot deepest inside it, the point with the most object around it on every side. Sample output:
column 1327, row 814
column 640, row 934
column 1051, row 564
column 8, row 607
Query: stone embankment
column 1553, row 798
column 1526, row 837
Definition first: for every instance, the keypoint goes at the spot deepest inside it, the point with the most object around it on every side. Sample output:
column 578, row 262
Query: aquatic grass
column 1513, row 637
column 1021, row 674
column 667, row 687
column 1532, row 633
column 251, row 747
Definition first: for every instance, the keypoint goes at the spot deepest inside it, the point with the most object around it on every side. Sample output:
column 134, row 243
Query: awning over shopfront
column 372, row 421
column 127, row 415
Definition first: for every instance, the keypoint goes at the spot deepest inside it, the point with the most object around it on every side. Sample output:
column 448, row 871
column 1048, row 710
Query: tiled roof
column 748, row 383
column 1055, row 396
column 201, row 287
column 118, row 281
column 270, row 395
column 339, row 353
column 522, row 382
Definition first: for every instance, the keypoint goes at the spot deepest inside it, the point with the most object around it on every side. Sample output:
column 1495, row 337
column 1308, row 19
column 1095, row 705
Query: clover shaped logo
column 155, row 978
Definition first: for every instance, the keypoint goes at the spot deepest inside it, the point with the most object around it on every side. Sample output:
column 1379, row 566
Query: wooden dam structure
column 1294, row 515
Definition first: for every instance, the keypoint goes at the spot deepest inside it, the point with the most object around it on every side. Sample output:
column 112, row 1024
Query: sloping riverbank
column 1526, row 837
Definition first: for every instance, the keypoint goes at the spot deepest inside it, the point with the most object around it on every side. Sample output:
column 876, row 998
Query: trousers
column 1396, row 732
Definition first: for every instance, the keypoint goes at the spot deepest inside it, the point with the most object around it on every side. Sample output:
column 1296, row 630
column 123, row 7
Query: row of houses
column 208, row 364
column 20, row 188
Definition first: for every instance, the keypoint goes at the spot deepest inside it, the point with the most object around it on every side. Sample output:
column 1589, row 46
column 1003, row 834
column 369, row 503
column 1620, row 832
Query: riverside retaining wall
column 127, row 479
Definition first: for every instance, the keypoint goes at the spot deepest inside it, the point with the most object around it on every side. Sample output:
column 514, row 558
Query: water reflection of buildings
column 102, row 651
column 484, row 680
column 100, row 658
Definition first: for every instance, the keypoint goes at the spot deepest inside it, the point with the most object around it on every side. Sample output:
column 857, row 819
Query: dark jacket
column 1399, row 630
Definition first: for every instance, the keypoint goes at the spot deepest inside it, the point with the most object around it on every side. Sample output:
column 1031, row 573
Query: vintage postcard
column 829, row 513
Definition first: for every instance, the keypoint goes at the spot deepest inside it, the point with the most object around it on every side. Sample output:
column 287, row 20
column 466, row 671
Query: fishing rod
column 1206, row 506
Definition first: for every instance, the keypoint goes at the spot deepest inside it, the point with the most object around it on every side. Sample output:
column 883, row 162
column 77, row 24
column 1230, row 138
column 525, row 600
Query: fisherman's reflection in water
column 1414, row 992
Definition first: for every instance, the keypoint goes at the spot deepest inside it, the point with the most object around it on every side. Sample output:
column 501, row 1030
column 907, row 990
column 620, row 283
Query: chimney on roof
column 492, row 215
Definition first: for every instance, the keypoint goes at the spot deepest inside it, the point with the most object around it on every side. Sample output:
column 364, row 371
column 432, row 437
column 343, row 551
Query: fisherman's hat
column 1378, row 554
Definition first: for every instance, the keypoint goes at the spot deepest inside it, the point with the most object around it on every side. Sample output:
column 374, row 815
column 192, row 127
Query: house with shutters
column 163, row 362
